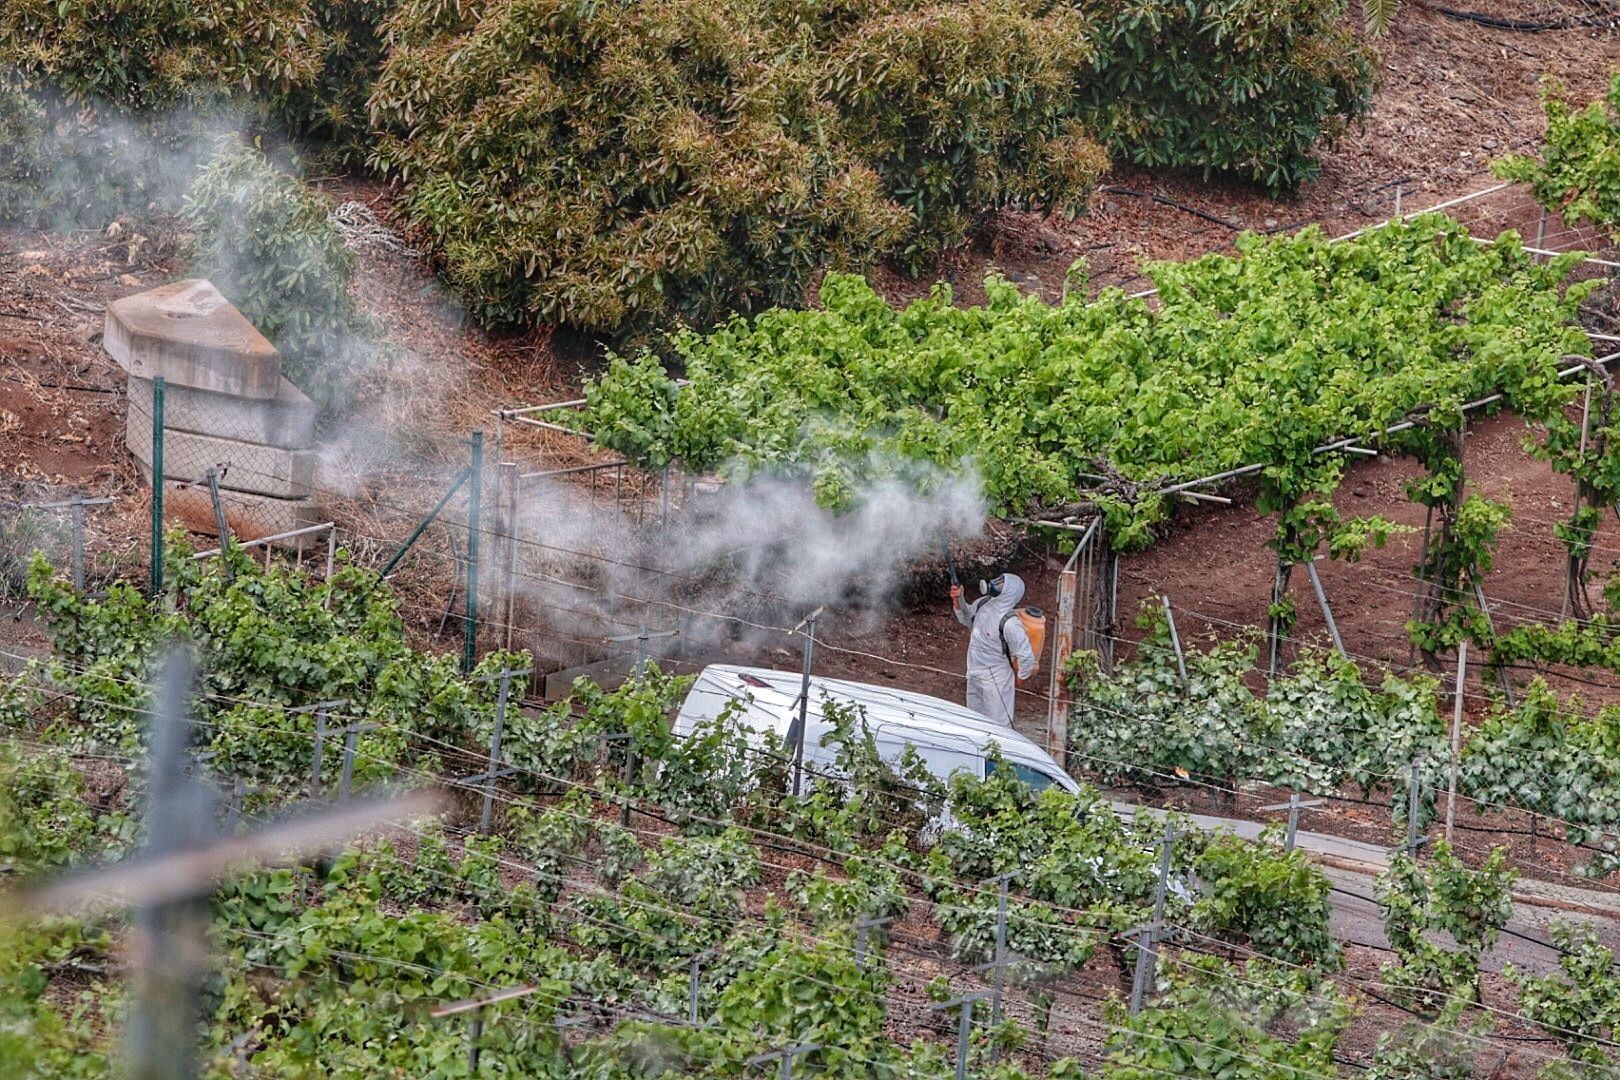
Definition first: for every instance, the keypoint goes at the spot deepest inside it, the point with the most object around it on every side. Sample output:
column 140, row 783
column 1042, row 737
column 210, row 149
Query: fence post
column 169, row 945
column 1062, row 645
column 475, row 491
column 157, row 487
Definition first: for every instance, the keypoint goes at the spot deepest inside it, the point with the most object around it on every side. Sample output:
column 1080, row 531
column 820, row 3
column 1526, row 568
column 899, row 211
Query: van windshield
column 1035, row 778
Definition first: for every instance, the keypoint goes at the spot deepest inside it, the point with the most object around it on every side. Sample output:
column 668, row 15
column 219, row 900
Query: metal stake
column 475, row 491
column 157, row 486
column 488, row 812
column 1294, row 805
column 861, row 928
column 809, row 627
column 1327, row 612
column 1456, row 734
column 692, row 992
column 1413, row 792
column 350, row 735
column 219, row 523
column 1175, row 640
column 78, row 542
column 1147, row 943
column 1001, row 949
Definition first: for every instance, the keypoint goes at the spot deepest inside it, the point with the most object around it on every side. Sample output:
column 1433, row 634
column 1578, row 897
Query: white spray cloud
column 737, row 561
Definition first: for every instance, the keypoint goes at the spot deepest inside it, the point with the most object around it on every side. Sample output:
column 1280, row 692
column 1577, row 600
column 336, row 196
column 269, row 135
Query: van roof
column 779, row 690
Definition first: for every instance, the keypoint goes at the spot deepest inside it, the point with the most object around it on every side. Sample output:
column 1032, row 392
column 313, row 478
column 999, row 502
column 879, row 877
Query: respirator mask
column 992, row 587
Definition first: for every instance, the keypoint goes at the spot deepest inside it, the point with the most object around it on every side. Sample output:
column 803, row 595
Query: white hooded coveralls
column 990, row 686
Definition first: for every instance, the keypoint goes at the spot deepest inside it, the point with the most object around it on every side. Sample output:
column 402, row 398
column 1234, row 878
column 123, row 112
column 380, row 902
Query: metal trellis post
column 809, row 628
column 1147, row 954
column 321, row 709
column 862, row 927
column 1327, row 612
column 964, row 1025
column 1175, row 640
column 1001, row 949
column 157, row 486
column 785, row 1056
column 1456, row 734
column 475, row 492
column 1414, row 792
column 1294, row 805
column 78, row 542
column 351, row 734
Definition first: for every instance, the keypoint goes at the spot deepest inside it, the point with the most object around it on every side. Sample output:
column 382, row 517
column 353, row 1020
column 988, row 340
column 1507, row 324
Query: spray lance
column 950, row 563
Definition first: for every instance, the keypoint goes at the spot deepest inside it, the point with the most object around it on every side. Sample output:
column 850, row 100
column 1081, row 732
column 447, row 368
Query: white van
column 948, row 737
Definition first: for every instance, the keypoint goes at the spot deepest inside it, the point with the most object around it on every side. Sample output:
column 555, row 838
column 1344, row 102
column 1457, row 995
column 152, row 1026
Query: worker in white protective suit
column 998, row 646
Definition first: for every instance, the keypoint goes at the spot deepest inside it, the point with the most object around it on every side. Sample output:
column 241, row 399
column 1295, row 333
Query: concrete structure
column 226, row 407
column 286, row 420
column 190, row 335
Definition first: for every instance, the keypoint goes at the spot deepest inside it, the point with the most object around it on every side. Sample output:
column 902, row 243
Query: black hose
column 1524, row 25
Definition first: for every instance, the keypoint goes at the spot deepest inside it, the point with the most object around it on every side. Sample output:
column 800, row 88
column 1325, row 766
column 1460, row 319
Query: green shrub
column 105, row 107
column 264, row 239
column 621, row 167
column 1247, row 87
column 160, row 54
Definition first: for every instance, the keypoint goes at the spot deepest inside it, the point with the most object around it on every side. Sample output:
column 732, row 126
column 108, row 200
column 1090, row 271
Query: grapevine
column 1255, row 358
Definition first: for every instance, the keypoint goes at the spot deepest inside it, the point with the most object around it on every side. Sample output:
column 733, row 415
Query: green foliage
column 47, row 820
column 1254, row 358
column 1226, row 86
column 1580, row 1008
column 862, row 798
column 1318, row 727
column 620, row 167
column 1220, row 1019
column 1460, row 555
column 1549, row 758
column 1578, row 173
column 101, row 104
column 1582, row 451
column 269, row 640
column 1471, row 906
column 1440, row 1050
column 156, row 54
column 1277, row 905
column 264, row 239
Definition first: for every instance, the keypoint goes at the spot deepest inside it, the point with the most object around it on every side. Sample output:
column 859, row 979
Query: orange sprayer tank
column 1034, row 620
